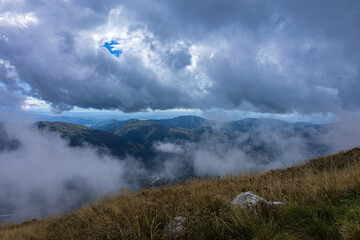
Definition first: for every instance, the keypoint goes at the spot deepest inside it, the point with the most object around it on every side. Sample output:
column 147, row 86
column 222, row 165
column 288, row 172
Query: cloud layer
column 258, row 55
column 256, row 148
column 41, row 175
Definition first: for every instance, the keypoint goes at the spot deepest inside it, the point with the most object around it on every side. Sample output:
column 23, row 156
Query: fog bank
column 44, row 176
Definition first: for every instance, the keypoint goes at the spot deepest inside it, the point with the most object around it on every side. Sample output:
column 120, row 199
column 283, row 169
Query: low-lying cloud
column 213, row 157
column 258, row 150
column 42, row 175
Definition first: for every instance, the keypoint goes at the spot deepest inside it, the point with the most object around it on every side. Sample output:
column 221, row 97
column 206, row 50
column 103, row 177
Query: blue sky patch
column 110, row 47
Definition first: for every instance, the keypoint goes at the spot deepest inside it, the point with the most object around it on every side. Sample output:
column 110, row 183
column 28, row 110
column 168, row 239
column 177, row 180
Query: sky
column 276, row 58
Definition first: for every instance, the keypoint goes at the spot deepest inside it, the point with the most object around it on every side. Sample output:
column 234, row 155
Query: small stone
column 175, row 227
column 250, row 199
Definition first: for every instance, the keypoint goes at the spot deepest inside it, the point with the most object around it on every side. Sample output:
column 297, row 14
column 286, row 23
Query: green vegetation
column 110, row 125
column 146, row 133
column 186, row 122
column 322, row 201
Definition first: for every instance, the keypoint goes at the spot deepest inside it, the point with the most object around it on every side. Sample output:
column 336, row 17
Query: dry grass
column 321, row 199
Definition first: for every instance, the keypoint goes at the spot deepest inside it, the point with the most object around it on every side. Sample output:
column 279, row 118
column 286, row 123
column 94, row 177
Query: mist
column 219, row 157
column 345, row 134
column 259, row 150
column 41, row 175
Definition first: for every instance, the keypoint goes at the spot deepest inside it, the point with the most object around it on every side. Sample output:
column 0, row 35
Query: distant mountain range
column 186, row 122
column 147, row 132
column 131, row 137
column 191, row 128
column 254, row 136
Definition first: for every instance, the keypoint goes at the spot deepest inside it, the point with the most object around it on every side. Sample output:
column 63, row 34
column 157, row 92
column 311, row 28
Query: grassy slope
column 322, row 201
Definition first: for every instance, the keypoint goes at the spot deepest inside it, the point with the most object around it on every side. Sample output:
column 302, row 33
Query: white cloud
column 32, row 103
column 18, row 20
column 168, row 147
column 44, row 175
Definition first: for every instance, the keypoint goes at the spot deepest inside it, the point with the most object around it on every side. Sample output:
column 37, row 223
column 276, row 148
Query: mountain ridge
column 78, row 134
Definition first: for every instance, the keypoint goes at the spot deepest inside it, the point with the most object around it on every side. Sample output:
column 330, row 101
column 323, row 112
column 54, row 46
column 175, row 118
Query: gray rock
column 175, row 227
column 250, row 199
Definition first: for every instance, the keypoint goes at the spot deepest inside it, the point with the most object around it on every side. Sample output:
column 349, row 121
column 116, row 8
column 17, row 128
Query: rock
column 250, row 199
column 175, row 227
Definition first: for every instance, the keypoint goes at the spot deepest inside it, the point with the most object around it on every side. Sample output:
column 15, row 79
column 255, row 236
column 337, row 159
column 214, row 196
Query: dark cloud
column 178, row 59
column 252, row 55
column 9, row 99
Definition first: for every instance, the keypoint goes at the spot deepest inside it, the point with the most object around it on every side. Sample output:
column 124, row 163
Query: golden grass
column 147, row 213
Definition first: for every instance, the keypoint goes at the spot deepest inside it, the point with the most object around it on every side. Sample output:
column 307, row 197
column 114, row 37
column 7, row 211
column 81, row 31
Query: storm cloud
column 273, row 57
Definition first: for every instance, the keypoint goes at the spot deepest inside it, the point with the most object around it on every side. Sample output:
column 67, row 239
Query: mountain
column 147, row 132
column 256, row 126
column 263, row 141
column 198, row 125
column 110, row 125
column 187, row 122
column 78, row 135
column 86, row 121
column 256, row 137
column 266, row 124
column 250, row 124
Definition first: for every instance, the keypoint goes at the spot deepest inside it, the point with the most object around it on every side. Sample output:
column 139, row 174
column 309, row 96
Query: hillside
column 79, row 134
column 145, row 132
column 110, row 125
column 186, row 122
column 322, row 201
